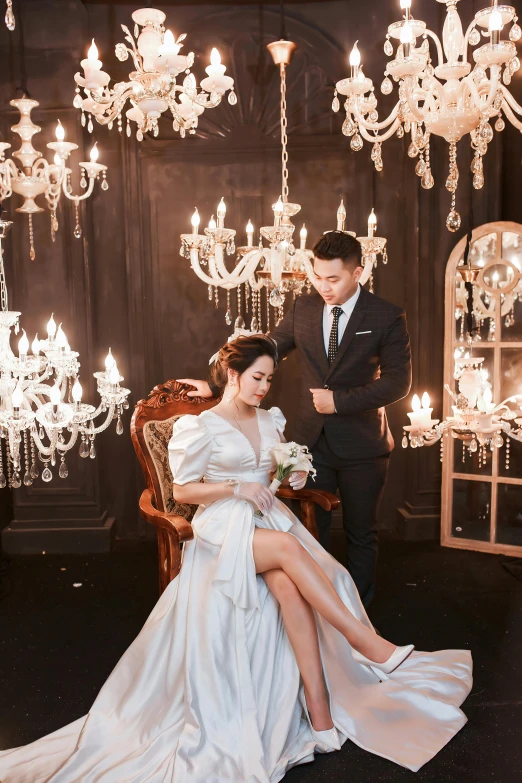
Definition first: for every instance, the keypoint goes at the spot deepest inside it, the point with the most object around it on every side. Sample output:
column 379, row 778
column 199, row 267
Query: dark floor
column 59, row 643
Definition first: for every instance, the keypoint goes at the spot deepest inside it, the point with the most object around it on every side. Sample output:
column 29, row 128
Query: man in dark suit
column 355, row 359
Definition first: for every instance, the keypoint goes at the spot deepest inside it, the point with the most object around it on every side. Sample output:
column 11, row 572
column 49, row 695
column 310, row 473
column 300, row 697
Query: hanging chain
column 284, row 137
column 3, row 286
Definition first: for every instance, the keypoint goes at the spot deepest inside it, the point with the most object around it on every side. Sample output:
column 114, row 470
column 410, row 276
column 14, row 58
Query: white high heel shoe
column 325, row 741
column 397, row 657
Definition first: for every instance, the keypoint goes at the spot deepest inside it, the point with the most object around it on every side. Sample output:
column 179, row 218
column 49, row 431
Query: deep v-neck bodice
column 257, row 453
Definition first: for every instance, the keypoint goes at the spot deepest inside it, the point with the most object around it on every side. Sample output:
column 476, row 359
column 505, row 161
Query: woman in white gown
column 258, row 653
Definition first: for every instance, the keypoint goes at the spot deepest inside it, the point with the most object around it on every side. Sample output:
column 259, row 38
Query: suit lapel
column 353, row 324
column 319, row 352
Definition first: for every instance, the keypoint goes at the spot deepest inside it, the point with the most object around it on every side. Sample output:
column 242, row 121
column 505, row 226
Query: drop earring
column 229, row 397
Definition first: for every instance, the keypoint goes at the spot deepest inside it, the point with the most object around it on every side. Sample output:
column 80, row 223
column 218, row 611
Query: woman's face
column 254, row 383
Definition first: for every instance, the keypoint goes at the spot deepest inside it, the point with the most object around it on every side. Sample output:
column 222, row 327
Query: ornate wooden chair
column 151, row 430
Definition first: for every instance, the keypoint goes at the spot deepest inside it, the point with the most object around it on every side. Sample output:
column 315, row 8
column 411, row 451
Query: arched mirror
column 482, row 500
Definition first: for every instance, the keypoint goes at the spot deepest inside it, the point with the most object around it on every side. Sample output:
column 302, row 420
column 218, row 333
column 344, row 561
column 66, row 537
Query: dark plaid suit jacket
column 372, row 369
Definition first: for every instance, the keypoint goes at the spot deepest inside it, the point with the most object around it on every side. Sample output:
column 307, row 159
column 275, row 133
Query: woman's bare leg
column 273, row 549
column 301, row 630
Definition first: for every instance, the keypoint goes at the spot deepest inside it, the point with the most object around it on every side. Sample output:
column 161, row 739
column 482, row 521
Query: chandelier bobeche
column 278, row 269
column 449, row 99
column 152, row 88
column 37, row 177
column 40, row 399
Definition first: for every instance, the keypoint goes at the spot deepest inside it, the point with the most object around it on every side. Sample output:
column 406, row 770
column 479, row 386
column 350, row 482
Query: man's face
column 335, row 281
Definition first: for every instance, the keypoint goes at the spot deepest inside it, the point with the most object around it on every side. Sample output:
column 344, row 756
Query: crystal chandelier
column 450, row 99
column 152, row 88
column 36, row 176
column 281, row 267
column 10, row 21
column 40, row 399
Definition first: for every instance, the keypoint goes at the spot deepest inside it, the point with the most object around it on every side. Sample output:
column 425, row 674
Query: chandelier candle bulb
column 250, row 234
column 23, row 346
column 51, row 328
column 406, row 39
column 278, row 212
column 355, row 60
column 341, row 216
column 195, row 222
column 17, row 399
column 372, row 223
column 109, row 364
column 92, row 68
column 302, row 236
column 35, row 346
column 76, row 393
column 114, row 377
column 94, row 153
column 169, row 45
column 212, row 224
column 495, row 279
column 221, row 212
column 61, row 339
column 495, row 25
column 420, row 417
column 59, row 132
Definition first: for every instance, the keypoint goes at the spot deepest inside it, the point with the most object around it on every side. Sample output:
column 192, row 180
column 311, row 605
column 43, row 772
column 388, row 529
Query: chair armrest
column 327, row 500
column 170, row 522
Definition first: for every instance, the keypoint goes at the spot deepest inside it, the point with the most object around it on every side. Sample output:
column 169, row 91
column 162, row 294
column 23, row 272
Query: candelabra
column 36, row 176
column 450, row 99
column 10, row 21
column 152, row 88
column 280, row 268
column 41, row 399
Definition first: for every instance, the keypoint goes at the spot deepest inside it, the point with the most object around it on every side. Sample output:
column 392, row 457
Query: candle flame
column 425, row 400
column 215, row 57
column 222, row 209
column 35, row 345
column 415, row 403
column 114, row 374
column 372, row 220
column 195, row 218
column 23, row 343
column 77, row 391
column 250, row 227
column 51, row 327
column 94, row 153
column 59, row 132
column 487, row 396
column 212, row 224
column 303, row 233
column 495, row 20
column 278, row 207
column 109, row 361
column 355, row 56
column 92, row 54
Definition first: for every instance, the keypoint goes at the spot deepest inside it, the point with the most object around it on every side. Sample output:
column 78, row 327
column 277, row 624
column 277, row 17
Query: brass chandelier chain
column 284, row 136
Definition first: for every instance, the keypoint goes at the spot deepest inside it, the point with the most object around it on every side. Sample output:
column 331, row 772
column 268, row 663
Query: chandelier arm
column 256, row 285
column 96, row 430
column 375, row 125
column 493, row 87
column 471, row 27
column 440, row 55
column 413, row 95
column 226, row 276
column 194, row 263
column 508, row 98
column 42, row 449
column 83, row 196
column 62, row 448
column 383, row 136
column 511, row 115
column 248, row 264
column 41, row 163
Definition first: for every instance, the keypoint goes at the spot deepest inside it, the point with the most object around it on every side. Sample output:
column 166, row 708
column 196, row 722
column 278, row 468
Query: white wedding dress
column 210, row 692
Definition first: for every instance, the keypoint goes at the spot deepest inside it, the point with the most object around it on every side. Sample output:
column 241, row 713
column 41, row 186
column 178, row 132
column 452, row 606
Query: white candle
column 94, row 153
column 59, row 132
column 91, row 66
column 302, row 236
column 77, row 392
column 372, row 223
column 35, row 345
column 341, row 216
column 426, row 410
column 109, row 363
column 495, row 25
column 355, row 60
column 221, row 212
column 195, row 222
column 212, row 224
column 250, row 234
column 278, row 211
column 495, row 279
column 51, row 328
column 420, row 418
column 55, row 397
column 406, row 39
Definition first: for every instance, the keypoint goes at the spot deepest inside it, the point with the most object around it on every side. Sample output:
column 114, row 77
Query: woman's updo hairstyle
column 239, row 355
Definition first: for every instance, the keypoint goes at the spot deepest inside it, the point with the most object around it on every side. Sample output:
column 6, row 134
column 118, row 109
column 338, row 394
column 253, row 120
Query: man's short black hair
column 338, row 244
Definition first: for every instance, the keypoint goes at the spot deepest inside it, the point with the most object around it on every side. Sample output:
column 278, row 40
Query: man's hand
column 202, row 387
column 323, row 400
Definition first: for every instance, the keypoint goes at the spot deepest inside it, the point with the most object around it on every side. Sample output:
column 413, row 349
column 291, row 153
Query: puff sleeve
column 190, row 448
column 278, row 419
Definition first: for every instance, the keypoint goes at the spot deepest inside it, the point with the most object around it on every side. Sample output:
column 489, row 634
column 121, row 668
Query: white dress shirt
column 347, row 310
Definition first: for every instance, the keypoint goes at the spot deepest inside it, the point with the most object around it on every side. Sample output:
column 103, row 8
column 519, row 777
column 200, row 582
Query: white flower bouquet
column 289, row 457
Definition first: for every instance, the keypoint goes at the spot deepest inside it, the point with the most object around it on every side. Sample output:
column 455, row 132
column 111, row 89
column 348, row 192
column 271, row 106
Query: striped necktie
column 334, row 334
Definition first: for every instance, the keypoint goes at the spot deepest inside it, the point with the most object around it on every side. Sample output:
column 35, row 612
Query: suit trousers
column 360, row 484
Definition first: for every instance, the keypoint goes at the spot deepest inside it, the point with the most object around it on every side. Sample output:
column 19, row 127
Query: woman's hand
column 202, row 389
column 256, row 493
column 297, row 479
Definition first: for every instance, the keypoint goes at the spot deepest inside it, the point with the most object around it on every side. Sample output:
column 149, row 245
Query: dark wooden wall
column 125, row 284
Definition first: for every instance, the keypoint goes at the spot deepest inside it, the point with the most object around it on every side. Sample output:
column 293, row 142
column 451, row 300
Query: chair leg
column 308, row 517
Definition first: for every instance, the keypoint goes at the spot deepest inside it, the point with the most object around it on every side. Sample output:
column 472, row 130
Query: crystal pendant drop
column 405, row 442
column 400, row 132
column 10, row 21
column 90, row 126
column 413, row 150
column 78, row 101
column 182, row 132
column 486, row 132
column 478, row 181
column 84, row 449
column 427, row 181
column 453, row 221
column 92, row 451
column 63, row 472
column 83, row 183
column 349, row 127
column 232, row 98
column 228, row 317
column 515, row 33
column 119, row 426
column 110, row 125
column 46, row 474
column 420, row 168
column 506, row 76
column 3, row 481
column 388, row 48
column 277, row 298
column 473, row 446
column 514, row 64
column 335, row 104
column 83, row 120
column 356, row 142
column 139, row 134
column 239, row 323
column 77, row 231
column 386, row 86
column 16, row 481
column 500, row 124
column 34, row 471
column 474, row 37
column 105, row 185
column 27, row 479
column 254, row 325
column 128, row 130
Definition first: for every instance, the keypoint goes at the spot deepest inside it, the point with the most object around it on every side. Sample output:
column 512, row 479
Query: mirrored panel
column 471, row 510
